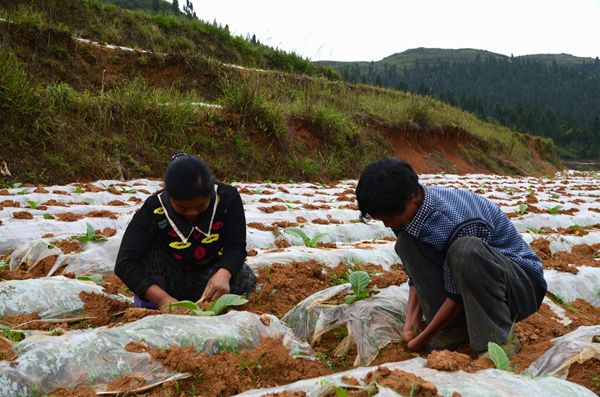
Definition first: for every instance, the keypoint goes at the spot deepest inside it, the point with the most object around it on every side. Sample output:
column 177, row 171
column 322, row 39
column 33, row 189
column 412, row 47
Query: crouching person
column 187, row 241
column 471, row 275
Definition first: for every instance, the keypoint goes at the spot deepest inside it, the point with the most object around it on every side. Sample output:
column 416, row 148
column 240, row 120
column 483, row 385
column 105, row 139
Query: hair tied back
column 178, row 155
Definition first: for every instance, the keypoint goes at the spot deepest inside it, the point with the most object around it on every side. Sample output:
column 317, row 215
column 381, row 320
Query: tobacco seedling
column 3, row 265
column 96, row 278
column 16, row 185
column 554, row 210
column 523, row 209
column 555, row 195
column 90, row 235
column 11, row 335
column 216, row 308
column 79, row 189
column 127, row 191
column 24, row 192
column 498, row 356
column 48, row 216
column 32, row 204
column 359, row 281
column 308, row 242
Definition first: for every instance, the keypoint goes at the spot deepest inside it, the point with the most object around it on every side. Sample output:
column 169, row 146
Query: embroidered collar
column 182, row 228
column 414, row 226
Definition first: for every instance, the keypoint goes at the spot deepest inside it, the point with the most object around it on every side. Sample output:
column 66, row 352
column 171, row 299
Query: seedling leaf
column 555, row 209
column 16, row 185
column 359, row 280
column 79, row 189
column 225, row 301
column 523, row 209
column 498, row 356
column 189, row 305
column 32, row 204
column 48, row 216
column 3, row 265
column 315, row 240
column 96, row 278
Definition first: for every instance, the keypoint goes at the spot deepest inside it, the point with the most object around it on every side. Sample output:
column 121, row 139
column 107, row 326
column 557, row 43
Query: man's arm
column 445, row 315
column 412, row 323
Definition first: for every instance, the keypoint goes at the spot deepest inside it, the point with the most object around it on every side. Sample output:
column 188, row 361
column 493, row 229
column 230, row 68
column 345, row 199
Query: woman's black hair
column 384, row 187
column 188, row 177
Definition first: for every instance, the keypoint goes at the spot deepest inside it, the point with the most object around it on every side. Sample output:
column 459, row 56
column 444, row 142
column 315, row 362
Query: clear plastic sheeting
column 381, row 254
column 372, row 323
column 577, row 346
column 560, row 314
column 569, row 287
column 98, row 356
column 50, row 297
column 560, row 243
column 486, row 383
column 96, row 257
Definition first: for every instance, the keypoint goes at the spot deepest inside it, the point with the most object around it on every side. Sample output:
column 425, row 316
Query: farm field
column 69, row 329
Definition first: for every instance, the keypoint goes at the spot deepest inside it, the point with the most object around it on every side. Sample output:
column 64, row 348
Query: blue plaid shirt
column 448, row 214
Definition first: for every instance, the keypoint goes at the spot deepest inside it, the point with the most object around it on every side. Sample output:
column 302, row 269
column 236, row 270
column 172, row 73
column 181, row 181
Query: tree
column 175, row 7
column 155, row 6
column 188, row 9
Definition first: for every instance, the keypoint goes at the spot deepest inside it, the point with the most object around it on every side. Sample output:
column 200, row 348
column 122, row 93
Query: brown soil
column 117, row 203
column 126, row 383
column 273, row 208
column 19, row 319
column 445, row 360
column 281, row 286
column 15, row 275
column 54, row 203
column 281, row 243
column 586, row 374
column 226, row 374
column 580, row 255
column 81, row 391
column 114, row 285
column 402, row 382
column 10, row 203
column 137, row 347
column 107, row 232
column 68, row 217
column 101, row 307
column 286, row 394
column 394, row 352
column 22, row 215
column 582, row 313
column 43, row 267
column 260, row 226
column 379, row 277
column 6, row 350
column 68, row 246
column 135, row 313
column 102, row 214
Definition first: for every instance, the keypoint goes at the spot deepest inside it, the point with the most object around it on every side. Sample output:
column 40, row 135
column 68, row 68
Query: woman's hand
column 217, row 286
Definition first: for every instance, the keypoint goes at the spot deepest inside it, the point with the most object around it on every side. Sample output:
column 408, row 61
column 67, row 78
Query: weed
column 308, row 242
column 359, row 281
column 498, row 356
column 11, row 335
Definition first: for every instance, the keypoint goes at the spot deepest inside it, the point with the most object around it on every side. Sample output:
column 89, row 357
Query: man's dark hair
column 188, row 177
column 384, row 187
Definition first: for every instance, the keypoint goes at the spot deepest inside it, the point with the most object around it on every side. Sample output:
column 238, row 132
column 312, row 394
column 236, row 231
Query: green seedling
column 24, row 192
column 3, row 265
column 90, row 235
column 522, row 209
column 256, row 191
column 127, row 191
column 509, row 190
column 79, row 189
column 555, row 195
column 308, row 242
column 359, row 281
column 11, row 334
column 96, row 278
column 554, row 210
column 16, row 185
column 339, row 391
column 596, row 380
column 217, row 307
column 498, row 356
column 48, row 216
column 32, row 204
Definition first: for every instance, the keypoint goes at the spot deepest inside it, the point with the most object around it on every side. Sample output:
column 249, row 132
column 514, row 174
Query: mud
column 226, row 374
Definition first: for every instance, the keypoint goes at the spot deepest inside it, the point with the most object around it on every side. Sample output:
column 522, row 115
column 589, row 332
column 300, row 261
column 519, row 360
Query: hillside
column 552, row 95
column 73, row 110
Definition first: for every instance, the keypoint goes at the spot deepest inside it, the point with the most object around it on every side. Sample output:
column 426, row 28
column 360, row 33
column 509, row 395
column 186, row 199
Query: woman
column 187, row 241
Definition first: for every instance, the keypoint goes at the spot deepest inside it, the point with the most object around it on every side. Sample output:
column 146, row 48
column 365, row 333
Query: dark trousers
column 496, row 292
column 184, row 284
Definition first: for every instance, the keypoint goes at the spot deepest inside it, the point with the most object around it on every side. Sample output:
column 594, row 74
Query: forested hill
column 552, row 95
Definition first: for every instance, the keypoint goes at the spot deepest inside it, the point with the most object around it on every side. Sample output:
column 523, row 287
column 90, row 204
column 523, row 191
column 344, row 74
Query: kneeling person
column 471, row 275
column 187, row 241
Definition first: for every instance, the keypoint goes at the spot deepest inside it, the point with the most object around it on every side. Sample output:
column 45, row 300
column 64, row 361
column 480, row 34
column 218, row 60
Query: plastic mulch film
column 585, row 284
column 372, row 323
column 381, row 254
column 98, row 356
column 96, row 257
column 577, row 346
column 489, row 382
column 50, row 297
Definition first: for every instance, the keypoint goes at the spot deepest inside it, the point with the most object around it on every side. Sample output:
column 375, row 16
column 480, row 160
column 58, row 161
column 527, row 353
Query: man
column 471, row 275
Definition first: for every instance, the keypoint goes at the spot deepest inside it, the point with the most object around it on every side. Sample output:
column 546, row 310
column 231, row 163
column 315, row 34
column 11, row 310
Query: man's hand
column 411, row 329
column 415, row 344
column 217, row 286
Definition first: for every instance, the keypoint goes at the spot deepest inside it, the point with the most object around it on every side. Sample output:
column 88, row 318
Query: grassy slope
column 67, row 119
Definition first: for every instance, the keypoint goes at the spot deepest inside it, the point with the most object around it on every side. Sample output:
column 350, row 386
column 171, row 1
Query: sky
column 353, row 30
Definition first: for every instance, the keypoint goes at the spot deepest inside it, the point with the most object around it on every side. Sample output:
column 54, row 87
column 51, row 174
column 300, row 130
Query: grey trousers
column 496, row 292
column 184, row 284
